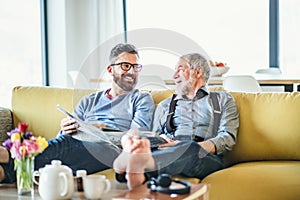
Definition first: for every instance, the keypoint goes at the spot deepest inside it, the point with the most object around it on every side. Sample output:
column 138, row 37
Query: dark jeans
column 188, row 159
column 77, row 154
column 74, row 153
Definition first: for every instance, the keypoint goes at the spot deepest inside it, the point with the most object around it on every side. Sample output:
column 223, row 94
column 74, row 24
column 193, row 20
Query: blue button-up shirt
column 194, row 117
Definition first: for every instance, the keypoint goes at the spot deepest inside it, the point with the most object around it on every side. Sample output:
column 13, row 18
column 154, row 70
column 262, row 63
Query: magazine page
column 88, row 132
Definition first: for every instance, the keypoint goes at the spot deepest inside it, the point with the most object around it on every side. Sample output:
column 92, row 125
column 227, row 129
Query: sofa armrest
column 6, row 123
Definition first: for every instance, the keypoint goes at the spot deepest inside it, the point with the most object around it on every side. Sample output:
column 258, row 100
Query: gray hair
column 195, row 60
column 121, row 48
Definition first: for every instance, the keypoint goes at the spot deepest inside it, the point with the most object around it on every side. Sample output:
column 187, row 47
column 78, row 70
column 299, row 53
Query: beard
column 123, row 83
column 183, row 88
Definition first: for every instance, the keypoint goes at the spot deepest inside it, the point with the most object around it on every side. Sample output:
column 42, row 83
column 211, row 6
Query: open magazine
column 88, row 132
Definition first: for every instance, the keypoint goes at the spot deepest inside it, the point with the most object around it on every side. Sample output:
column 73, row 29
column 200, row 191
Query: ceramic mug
column 95, row 185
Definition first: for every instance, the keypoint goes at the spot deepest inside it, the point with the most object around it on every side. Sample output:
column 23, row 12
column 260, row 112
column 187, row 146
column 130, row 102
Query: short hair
column 121, row 48
column 195, row 60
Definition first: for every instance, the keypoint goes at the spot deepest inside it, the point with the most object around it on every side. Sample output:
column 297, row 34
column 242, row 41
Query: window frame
column 44, row 32
column 273, row 36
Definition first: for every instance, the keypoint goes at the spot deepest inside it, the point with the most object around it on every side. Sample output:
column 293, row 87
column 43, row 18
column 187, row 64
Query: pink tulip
column 15, row 153
column 31, row 146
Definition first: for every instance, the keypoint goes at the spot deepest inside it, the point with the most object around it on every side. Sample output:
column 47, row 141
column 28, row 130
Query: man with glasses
column 120, row 107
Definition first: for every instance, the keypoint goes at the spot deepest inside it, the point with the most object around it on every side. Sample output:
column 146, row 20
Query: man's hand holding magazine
column 99, row 132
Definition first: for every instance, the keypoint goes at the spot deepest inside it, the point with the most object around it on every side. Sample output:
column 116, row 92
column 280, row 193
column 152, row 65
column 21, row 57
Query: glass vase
column 24, row 171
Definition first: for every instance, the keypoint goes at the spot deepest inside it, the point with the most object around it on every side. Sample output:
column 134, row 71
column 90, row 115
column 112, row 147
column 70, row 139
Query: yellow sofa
column 264, row 164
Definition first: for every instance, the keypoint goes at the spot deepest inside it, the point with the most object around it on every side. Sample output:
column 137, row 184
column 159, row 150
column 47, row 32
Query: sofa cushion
column 256, row 180
column 269, row 127
column 159, row 95
column 37, row 107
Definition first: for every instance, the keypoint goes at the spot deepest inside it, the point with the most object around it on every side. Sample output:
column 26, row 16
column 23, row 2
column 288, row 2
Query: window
column 20, row 38
column 289, row 29
column 231, row 31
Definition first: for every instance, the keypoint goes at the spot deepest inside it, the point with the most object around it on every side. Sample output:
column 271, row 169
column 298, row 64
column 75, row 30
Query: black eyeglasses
column 127, row 66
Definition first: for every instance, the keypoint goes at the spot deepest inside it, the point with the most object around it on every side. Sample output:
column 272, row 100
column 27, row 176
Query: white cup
column 95, row 185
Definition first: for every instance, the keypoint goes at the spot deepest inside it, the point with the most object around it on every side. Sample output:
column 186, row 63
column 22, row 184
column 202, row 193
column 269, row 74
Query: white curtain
column 81, row 34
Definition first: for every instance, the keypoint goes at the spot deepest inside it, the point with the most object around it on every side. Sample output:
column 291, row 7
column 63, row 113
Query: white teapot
column 55, row 181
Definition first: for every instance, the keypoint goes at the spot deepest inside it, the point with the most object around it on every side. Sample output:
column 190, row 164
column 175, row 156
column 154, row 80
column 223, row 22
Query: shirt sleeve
column 81, row 107
column 77, row 112
column 229, row 123
column 160, row 116
column 143, row 115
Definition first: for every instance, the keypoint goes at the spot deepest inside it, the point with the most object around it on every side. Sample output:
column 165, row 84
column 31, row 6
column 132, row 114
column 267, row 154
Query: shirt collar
column 199, row 94
column 107, row 94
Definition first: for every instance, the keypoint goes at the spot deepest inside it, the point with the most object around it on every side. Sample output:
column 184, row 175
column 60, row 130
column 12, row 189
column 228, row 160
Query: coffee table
column 118, row 191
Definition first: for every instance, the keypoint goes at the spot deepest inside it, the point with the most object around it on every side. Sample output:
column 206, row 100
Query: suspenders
column 217, row 114
column 169, row 123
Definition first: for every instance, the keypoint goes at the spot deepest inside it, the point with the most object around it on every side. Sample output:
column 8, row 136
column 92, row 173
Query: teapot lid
column 56, row 162
column 81, row 173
